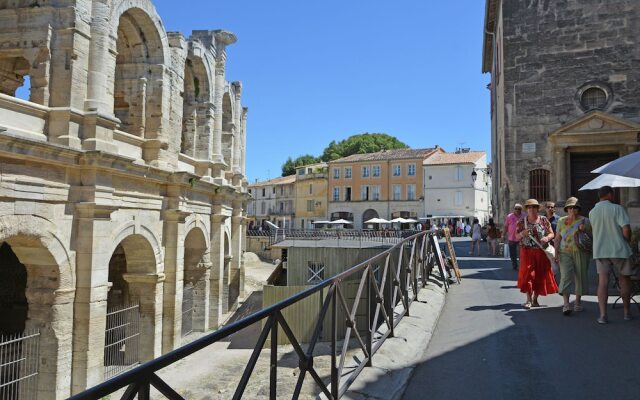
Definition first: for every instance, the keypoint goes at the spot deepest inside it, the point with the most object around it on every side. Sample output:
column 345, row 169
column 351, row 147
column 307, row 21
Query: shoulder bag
column 549, row 251
column 583, row 240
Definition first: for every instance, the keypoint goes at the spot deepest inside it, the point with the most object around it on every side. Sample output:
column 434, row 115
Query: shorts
column 622, row 266
column 476, row 237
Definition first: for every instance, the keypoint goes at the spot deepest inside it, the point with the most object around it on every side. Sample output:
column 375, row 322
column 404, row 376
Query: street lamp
column 474, row 174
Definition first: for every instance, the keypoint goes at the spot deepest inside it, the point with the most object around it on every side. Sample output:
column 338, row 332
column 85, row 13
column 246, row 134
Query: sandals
column 578, row 308
column 566, row 310
column 527, row 305
column 535, row 304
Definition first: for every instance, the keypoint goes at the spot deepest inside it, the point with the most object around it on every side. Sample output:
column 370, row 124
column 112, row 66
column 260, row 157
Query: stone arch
column 49, row 292
column 135, row 276
column 368, row 214
column 198, row 108
column 142, row 52
column 196, row 280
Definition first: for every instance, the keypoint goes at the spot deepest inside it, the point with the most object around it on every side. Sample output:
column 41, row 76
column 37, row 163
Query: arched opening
column 30, row 313
column 138, row 74
column 367, row 215
column 196, row 279
column 14, row 77
column 227, row 129
column 130, row 306
column 197, row 115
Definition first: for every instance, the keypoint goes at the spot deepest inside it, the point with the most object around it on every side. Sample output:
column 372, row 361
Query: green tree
column 289, row 166
column 361, row 144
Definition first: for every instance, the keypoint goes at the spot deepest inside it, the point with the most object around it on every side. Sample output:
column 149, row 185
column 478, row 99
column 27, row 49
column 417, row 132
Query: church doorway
column 581, row 166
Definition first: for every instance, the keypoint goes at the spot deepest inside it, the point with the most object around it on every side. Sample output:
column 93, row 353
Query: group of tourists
column 570, row 242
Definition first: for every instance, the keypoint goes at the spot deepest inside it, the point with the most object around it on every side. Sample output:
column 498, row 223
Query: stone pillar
column 90, row 308
column 243, row 151
column 222, row 39
column 216, row 298
column 201, row 289
column 147, row 290
column 237, row 140
column 237, row 226
column 560, row 174
column 173, row 284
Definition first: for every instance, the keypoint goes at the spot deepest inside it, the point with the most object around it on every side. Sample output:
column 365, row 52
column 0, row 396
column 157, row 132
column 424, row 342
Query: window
column 273, row 190
column 263, row 207
column 250, row 192
column 364, row 193
column 365, row 172
column 539, row 181
column 264, row 192
column 315, row 271
column 281, row 206
column 376, row 170
column 336, row 173
column 459, row 176
column 281, row 190
column 347, row 193
column 347, row 172
column 411, row 169
column 310, row 188
column 458, row 198
column 375, row 192
column 310, row 205
column 309, row 171
column 593, row 98
column 336, row 194
column 396, row 192
column 301, row 171
column 411, row 192
column 397, row 170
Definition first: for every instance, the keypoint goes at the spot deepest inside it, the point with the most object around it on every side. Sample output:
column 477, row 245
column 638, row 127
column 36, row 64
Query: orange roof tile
column 454, row 158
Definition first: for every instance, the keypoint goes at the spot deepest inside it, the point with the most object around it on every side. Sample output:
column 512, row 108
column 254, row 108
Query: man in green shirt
column 611, row 250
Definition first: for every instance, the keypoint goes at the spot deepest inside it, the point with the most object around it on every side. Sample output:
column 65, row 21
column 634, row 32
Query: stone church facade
column 122, row 182
column 565, row 95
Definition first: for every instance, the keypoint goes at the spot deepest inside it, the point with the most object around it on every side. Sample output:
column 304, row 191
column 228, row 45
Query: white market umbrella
column 400, row 220
column 321, row 222
column 628, row 166
column 376, row 221
column 341, row 222
column 410, row 221
column 611, row 180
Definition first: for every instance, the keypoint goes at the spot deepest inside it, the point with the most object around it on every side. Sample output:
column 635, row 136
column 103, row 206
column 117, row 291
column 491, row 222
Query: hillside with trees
column 356, row 144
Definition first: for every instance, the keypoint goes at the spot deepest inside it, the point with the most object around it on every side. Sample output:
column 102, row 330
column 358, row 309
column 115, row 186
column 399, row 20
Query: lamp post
column 474, row 176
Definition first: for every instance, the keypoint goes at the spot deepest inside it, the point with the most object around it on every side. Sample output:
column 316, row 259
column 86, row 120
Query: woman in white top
column 475, row 236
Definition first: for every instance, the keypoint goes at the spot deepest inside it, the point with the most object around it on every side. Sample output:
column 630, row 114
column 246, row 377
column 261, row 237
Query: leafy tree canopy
column 356, row 144
column 289, row 166
column 361, row 144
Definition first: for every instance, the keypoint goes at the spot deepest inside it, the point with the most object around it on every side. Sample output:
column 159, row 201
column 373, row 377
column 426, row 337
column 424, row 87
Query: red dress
column 535, row 273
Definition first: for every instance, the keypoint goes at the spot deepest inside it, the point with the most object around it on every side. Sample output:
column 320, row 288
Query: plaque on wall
column 528, row 147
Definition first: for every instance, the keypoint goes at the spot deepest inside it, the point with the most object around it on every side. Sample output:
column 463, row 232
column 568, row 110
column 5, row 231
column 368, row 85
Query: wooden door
column 581, row 166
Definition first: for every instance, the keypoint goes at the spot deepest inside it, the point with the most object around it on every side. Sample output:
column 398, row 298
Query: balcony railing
column 387, row 284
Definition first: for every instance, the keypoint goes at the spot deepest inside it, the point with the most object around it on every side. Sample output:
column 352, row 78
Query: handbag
column 583, row 240
column 549, row 251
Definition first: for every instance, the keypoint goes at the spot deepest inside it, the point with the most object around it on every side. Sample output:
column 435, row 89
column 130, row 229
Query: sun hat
column 518, row 205
column 572, row 202
column 531, row 203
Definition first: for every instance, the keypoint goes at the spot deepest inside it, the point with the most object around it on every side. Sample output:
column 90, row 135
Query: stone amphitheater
column 122, row 190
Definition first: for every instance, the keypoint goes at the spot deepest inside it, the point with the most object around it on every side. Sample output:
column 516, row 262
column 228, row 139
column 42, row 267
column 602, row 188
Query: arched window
column 539, row 183
column 14, row 77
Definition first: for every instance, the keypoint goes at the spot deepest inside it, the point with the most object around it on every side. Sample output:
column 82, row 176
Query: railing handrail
column 149, row 368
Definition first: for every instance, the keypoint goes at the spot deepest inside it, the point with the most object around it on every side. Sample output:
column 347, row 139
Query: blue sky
column 325, row 70
column 318, row 71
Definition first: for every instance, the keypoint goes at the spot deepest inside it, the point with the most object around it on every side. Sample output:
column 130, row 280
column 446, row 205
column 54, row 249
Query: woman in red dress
column 535, row 277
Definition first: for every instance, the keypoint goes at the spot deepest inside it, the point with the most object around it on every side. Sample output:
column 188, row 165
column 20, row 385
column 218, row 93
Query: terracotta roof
column 454, row 158
column 283, row 180
column 395, row 154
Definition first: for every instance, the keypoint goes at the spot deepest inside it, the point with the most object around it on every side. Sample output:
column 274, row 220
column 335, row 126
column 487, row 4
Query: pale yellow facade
column 311, row 201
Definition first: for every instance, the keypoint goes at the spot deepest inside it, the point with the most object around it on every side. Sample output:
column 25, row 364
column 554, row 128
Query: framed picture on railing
column 452, row 254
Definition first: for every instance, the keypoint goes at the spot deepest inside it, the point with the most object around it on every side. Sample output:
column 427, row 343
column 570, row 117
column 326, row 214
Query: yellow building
column 311, row 195
column 386, row 184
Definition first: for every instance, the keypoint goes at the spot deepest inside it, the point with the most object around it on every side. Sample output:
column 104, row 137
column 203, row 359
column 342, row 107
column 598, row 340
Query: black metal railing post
column 388, row 298
column 370, row 323
column 335, row 379
column 273, row 373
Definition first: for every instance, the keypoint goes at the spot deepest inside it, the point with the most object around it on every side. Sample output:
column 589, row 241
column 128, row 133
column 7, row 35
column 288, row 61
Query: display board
column 442, row 267
column 452, row 254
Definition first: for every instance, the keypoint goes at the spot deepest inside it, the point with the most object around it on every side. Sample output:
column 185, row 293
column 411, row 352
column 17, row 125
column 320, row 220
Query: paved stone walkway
column 487, row 347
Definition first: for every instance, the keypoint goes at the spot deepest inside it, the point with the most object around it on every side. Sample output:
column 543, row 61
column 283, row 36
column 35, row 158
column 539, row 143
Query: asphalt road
column 487, row 347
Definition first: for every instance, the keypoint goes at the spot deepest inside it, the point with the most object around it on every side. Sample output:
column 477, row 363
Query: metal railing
column 187, row 309
column 19, row 358
column 387, row 236
column 403, row 270
column 122, row 340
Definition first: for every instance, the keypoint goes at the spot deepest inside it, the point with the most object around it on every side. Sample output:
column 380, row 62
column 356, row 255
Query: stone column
column 560, row 174
column 92, row 286
column 202, row 288
column 237, row 140
column 222, row 39
column 147, row 290
column 237, row 226
column 216, row 298
column 243, row 151
column 173, row 284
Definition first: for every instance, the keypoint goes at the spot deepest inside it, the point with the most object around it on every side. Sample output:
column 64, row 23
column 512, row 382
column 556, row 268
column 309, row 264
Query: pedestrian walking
column 476, row 236
column 573, row 261
column 535, row 277
column 510, row 226
column 611, row 250
column 492, row 238
column 550, row 213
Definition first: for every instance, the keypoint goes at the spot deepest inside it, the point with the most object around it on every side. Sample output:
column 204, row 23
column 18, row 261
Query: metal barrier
column 404, row 269
column 19, row 360
column 386, row 236
column 122, row 340
column 187, row 309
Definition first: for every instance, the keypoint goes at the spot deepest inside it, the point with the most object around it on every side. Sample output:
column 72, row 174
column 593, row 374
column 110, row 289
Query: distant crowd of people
column 570, row 242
